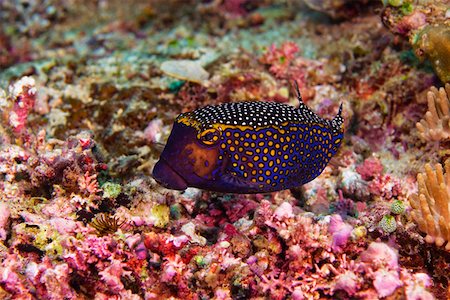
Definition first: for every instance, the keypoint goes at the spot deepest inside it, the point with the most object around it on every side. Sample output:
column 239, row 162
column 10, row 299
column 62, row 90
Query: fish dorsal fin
column 297, row 91
column 338, row 120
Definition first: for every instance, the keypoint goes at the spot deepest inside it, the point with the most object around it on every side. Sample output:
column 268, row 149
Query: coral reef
column 88, row 94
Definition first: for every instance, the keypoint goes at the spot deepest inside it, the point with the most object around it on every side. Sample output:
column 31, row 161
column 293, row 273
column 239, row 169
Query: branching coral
column 431, row 206
column 436, row 124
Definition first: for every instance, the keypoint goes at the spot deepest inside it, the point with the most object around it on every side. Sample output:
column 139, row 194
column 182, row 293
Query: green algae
column 388, row 224
column 161, row 213
column 398, row 207
column 111, row 190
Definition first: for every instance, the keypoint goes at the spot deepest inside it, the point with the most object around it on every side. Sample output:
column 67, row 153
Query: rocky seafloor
column 88, row 94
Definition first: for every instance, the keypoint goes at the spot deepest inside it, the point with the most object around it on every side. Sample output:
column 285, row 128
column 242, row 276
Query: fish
column 248, row 147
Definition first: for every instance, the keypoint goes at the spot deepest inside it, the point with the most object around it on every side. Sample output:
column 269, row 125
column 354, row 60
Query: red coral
column 238, row 209
column 386, row 186
column 370, row 168
column 279, row 59
column 88, row 183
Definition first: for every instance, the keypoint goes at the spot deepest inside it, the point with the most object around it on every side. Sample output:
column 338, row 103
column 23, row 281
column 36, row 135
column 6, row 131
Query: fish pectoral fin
column 236, row 179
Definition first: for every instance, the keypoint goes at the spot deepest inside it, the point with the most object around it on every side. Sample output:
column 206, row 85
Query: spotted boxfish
column 248, row 147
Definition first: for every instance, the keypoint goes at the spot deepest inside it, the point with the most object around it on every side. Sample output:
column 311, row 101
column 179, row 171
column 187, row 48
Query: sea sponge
column 433, row 43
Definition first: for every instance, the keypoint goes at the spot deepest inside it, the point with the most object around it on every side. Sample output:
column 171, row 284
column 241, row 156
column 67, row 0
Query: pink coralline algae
column 4, row 220
column 380, row 255
column 348, row 282
column 152, row 132
column 386, row 282
column 280, row 59
column 370, row 168
column 387, row 187
column 340, row 232
column 23, row 95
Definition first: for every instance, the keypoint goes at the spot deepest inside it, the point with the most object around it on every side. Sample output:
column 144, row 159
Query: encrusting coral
column 430, row 205
column 435, row 126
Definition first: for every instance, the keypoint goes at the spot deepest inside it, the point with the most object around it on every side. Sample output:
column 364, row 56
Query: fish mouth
column 166, row 176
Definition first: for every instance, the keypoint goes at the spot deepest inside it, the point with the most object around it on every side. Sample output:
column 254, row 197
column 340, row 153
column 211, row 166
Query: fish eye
column 209, row 136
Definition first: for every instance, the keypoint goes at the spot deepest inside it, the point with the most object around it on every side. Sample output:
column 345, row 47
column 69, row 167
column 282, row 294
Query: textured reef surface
column 89, row 91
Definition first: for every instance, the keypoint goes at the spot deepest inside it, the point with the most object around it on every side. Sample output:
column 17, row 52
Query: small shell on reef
column 189, row 70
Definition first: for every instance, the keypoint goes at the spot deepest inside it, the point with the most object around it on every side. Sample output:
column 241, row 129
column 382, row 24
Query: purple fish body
column 248, row 147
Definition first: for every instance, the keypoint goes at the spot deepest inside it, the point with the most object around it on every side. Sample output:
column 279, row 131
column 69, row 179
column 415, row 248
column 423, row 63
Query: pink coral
column 370, row 168
column 152, row 132
column 280, row 58
column 171, row 268
column 111, row 275
column 340, row 232
column 56, row 282
column 23, row 93
column 284, row 211
column 380, row 255
column 348, row 282
column 239, row 208
column 4, row 219
column 416, row 286
column 386, row 282
column 11, row 278
column 387, row 187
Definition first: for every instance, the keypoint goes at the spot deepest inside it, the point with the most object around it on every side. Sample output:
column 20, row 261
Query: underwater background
column 90, row 90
